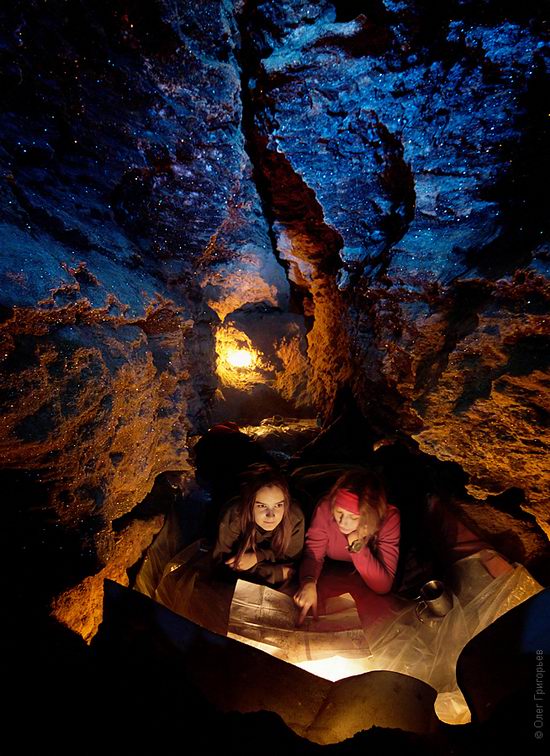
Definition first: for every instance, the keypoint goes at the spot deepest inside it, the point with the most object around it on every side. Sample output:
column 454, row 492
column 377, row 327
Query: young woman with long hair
column 262, row 531
column 353, row 523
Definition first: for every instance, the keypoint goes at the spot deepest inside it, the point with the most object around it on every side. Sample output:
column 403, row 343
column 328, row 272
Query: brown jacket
column 268, row 568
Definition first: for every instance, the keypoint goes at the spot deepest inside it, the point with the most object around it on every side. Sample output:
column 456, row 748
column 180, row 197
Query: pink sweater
column 376, row 563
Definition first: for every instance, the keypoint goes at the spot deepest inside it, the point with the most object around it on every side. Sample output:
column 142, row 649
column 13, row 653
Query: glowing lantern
column 239, row 364
column 240, row 358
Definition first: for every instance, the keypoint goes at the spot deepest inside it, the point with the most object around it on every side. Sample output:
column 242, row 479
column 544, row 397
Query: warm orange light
column 336, row 667
column 240, row 358
column 239, row 364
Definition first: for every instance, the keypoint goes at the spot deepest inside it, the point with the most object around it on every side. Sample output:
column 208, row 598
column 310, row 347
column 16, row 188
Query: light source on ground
column 331, row 668
column 335, row 667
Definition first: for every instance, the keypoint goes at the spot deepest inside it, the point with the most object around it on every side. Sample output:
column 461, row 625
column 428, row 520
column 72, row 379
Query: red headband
column 347, row 500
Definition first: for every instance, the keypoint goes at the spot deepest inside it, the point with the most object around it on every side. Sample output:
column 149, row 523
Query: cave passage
column 361, row 631
column 322, row 226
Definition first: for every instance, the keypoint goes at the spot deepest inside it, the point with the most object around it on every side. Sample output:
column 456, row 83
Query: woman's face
column 347, row 521
column 269, row 507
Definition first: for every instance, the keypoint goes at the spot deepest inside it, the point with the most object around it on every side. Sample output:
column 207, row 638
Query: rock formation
column 351, row 191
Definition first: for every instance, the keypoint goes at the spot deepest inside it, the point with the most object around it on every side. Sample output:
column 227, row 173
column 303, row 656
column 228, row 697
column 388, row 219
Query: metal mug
column 434, row 597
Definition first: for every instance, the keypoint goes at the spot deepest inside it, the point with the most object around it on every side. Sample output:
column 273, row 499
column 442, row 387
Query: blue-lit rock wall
column 414, row 136
column 367, row 176
column 124, row 183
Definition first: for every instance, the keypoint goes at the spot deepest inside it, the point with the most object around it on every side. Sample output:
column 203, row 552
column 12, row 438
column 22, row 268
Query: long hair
column 373, row 503
column 255, row 477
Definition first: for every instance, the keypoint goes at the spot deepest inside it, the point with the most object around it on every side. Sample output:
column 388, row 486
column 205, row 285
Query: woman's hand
column 246, row 562
column 306, row 599
column 353, row 537
column 360, row 534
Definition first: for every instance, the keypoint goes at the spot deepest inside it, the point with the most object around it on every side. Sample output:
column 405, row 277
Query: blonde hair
column 371, row 491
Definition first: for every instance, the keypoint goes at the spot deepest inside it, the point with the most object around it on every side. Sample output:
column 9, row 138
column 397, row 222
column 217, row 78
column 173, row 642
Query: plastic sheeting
column 429, row 650
column 484, row 586
column 184, row 524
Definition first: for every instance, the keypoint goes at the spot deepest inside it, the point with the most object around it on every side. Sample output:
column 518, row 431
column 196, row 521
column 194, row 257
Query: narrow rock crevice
column 350, row 187
column 283, row 194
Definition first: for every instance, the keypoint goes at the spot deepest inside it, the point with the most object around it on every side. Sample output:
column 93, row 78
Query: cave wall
column 125, row 184
column 412, row 136
column 363, row 175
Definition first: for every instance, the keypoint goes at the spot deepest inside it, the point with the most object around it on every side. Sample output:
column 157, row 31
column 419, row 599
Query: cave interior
column 325, row 223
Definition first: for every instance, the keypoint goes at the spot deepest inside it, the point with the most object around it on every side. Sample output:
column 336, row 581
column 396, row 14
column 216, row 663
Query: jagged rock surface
column 412, row 138
column 129, row 224
column 153, row 156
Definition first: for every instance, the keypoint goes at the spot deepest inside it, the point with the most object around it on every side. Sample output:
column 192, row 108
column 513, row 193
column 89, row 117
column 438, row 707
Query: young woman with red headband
column 354, row 523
